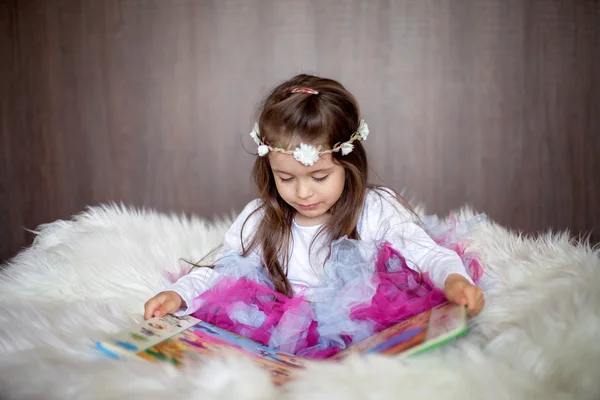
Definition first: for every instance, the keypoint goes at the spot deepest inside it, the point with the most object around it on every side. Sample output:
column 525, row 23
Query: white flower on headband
column 306, row 154
column 255, row 134
column 347, row 148
column 363, row 130
column 263, row 149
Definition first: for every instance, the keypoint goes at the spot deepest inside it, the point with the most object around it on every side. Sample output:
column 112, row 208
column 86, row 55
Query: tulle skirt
column 361, row 295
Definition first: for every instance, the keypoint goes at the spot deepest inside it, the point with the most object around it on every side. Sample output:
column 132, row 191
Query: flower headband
column 306, row 153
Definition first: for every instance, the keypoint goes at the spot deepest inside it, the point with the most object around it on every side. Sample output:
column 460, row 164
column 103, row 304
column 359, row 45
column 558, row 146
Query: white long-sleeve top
column 382, row 218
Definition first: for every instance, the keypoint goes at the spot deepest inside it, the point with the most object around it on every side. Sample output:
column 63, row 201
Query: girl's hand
column 459, row 290
column 163, row 303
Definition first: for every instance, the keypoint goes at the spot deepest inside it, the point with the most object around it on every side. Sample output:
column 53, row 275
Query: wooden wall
column 493, row 103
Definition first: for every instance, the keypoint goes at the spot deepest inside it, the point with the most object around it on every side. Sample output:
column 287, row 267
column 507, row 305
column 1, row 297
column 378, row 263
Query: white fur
column 87, row 278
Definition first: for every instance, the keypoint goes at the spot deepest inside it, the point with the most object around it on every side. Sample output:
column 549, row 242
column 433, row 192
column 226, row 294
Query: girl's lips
column 309, row 206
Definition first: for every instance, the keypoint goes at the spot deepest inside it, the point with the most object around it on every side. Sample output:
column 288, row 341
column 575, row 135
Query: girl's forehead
column 288, row 164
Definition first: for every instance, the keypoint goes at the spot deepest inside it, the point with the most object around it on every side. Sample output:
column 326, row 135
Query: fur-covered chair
column 88, row 277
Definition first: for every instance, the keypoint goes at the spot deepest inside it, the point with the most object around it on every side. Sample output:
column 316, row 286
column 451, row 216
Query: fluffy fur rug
column 89, row 277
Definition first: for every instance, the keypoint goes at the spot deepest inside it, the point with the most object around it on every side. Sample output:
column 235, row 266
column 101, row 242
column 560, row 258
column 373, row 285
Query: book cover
column 415, row 335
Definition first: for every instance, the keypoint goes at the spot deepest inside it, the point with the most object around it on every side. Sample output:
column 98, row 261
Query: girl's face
column 311, row 191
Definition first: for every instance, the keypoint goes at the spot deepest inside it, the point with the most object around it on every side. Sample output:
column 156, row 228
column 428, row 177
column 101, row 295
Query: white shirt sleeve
column 191, row 285
column 386, row 219
column 200, row 279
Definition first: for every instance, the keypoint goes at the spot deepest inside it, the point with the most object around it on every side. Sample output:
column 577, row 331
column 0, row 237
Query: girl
column 321, row 259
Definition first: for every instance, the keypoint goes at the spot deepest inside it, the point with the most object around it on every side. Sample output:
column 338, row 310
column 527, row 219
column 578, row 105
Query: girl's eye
column 321, row 179
column 286, row 179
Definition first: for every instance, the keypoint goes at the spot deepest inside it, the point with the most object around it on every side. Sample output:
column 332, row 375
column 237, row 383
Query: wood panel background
column 493, row 103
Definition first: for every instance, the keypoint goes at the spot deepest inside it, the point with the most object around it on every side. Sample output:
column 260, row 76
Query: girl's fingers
column 149, row 308
column 475, row 301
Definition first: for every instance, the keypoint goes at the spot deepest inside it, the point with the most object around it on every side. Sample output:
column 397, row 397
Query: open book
column 182, row 340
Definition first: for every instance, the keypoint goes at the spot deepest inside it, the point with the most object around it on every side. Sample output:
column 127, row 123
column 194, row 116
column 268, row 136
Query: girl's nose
column 304, row 190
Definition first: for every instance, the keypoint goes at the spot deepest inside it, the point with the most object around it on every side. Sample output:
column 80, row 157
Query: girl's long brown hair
column 285, row 119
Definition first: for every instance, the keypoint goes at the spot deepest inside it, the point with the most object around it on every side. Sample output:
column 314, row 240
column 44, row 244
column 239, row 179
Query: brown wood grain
column 492, row 103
